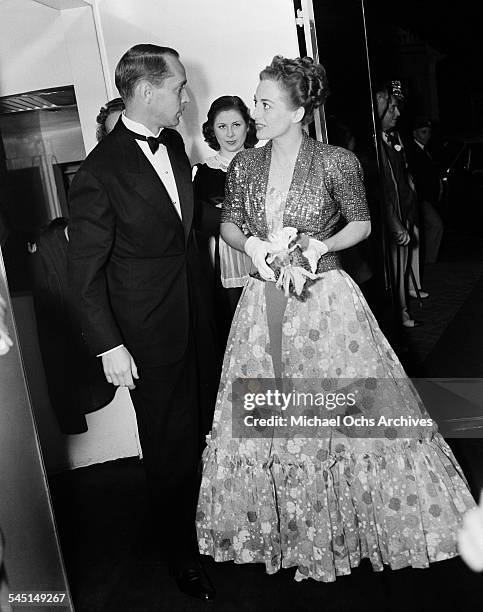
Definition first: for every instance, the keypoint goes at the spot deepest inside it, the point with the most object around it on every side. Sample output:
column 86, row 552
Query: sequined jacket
column 326, row 190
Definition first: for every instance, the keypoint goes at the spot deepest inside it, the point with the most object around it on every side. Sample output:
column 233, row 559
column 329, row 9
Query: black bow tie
column 392, row 139
column 154, row 141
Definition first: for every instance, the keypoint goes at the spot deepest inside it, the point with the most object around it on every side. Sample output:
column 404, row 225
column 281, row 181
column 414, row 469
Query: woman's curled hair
column 304, row 80
column 112, row 106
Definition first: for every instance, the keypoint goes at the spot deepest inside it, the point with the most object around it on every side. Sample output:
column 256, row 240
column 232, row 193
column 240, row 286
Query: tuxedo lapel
column 182, row 176
column 144, row 179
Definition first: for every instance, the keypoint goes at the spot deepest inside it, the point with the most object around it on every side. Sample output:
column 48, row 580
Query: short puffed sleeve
column 232, row 209
column 348, row 186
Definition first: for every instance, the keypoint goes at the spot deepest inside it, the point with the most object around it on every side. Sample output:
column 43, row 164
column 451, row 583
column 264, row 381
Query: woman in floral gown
column 317, row 503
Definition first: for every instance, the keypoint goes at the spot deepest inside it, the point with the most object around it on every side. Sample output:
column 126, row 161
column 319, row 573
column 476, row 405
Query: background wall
column 223, row 43
column 33, row 54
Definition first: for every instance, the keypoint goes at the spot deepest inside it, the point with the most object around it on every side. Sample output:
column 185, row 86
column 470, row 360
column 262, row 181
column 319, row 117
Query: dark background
column 403, row 38
column 455, row 30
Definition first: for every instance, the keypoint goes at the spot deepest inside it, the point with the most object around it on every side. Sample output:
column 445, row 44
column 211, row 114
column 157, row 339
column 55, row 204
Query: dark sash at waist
column 329, row 261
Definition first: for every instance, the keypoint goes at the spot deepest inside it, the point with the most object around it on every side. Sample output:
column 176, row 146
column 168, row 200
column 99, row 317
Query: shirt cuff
column 110, row 350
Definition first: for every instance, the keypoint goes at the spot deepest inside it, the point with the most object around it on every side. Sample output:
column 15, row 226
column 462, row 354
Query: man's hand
column 119, row 368
column 401, row 238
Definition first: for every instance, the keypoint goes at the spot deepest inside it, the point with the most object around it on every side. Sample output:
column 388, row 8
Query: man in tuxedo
column 135, row 275
column 428, row 186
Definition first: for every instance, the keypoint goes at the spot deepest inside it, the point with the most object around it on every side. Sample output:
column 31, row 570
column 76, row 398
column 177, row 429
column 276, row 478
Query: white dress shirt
column 161, row 164
column 159, row 160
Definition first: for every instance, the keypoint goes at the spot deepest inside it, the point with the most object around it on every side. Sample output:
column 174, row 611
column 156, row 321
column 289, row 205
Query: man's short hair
column 142, row 62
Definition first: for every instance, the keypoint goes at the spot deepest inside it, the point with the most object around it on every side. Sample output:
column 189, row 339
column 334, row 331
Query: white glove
column 314, row 252
column 258, row 250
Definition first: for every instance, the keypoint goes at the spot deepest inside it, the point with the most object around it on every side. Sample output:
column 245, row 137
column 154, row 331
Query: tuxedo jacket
column 133, row 264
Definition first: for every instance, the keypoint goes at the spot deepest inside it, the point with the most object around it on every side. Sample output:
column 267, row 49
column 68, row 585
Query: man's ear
column 144, row 90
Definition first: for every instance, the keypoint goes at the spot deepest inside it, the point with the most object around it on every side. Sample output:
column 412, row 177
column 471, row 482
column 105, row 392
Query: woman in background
column 228, row 129
column 108, row 117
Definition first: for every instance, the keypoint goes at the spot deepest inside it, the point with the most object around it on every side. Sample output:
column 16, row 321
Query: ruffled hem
column 397, row 504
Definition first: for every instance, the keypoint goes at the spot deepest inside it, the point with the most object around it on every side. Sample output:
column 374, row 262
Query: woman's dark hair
column 304, row 80
column 226, row 103
column 111, row 107
column 142, row 62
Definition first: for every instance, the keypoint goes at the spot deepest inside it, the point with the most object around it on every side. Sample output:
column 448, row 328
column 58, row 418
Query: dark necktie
column 154, row 141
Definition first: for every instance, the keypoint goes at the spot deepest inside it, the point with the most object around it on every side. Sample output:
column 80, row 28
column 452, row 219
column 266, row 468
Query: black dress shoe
column 410, row 323
column 193, row 581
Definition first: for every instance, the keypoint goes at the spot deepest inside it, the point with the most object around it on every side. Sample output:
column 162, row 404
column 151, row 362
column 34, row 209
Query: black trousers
column 168, row 409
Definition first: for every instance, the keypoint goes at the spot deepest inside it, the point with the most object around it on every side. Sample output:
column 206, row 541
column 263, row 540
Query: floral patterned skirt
column 323, row 504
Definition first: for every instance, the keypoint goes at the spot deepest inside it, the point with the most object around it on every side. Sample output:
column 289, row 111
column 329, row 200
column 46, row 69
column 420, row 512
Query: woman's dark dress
column 209, row 188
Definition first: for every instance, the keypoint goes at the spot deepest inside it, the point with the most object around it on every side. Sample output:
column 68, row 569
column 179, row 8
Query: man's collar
column 393, row 140
column 421, row 146
column 138, row 128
